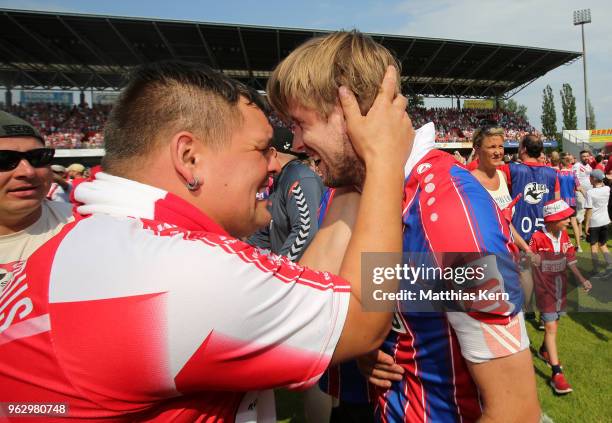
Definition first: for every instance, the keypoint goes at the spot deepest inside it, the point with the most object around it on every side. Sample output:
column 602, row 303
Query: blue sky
column 537, row 23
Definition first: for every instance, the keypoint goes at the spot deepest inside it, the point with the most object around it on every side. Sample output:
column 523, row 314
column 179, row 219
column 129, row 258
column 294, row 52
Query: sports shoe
column 541, row 325
column 560, row 385
column 543, row 355
column 579, row 250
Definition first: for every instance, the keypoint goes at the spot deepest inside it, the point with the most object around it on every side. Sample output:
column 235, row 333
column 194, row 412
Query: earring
column 192, row 186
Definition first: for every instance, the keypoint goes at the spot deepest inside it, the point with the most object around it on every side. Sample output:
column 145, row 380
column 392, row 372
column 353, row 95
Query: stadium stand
column 64, row 126
column 68, row 127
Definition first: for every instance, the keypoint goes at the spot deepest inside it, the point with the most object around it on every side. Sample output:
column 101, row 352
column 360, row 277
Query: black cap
column 12, row 126
column 282, row 141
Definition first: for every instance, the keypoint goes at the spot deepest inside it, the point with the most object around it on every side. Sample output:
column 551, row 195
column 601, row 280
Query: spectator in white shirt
column 597, row 221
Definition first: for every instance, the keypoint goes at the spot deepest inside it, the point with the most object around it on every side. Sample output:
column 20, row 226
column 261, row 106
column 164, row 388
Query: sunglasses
column 39, row 157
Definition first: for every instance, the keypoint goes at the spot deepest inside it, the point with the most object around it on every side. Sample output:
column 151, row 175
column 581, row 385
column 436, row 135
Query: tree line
column 568, row 111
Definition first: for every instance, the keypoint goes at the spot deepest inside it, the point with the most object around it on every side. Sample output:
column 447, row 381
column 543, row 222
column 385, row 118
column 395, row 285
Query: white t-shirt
column 20, row 245
column 501, row 195
column 583, row 172
column 597, row 199
column 57, row 193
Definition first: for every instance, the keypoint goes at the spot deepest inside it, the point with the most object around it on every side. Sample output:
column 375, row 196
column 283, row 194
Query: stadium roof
column 47, row 49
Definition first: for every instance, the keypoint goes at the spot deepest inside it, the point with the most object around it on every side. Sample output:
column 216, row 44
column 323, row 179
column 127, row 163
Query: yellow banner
column 601, row 135
column 479, row 104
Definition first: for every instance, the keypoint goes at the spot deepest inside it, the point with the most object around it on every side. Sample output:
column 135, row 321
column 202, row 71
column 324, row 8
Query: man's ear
column 186, row 153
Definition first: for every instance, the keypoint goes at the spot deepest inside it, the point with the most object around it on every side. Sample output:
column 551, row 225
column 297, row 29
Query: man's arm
column 587, row 220
column 328, row 247
column 588, row 206
column 497, row 381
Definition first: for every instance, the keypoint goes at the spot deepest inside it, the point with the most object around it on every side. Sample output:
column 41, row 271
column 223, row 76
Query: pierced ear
column 184, row 154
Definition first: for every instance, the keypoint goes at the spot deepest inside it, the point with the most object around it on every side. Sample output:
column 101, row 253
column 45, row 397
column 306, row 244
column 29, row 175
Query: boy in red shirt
column 552, row 254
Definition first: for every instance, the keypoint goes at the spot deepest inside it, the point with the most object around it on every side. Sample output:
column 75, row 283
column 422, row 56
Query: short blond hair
column 481, row 133
column 311, row 74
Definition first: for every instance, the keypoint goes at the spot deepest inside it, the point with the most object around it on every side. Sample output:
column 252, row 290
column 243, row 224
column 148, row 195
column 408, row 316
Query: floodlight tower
column 582, row 17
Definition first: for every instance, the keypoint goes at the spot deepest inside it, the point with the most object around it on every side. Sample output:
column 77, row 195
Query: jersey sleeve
column 187, row 312
column 467, row 220
column 533, row 242
column 303, row 198
column 482, row 341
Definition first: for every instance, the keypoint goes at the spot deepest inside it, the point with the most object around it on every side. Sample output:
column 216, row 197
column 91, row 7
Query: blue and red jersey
column 537, row 184
column 568, row 182
column 446, row 210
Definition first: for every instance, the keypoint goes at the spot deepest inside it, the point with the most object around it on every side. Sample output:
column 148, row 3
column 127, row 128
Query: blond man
column 452, row 369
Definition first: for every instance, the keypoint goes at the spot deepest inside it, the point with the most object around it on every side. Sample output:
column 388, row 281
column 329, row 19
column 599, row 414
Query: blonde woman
column 488, row 144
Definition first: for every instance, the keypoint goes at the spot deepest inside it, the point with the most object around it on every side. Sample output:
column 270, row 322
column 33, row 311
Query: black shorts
column 598, row 235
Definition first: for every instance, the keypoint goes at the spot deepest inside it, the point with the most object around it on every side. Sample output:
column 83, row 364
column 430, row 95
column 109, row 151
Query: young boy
column 552, row 253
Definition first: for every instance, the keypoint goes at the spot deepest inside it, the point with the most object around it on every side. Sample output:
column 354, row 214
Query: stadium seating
column 66, row 126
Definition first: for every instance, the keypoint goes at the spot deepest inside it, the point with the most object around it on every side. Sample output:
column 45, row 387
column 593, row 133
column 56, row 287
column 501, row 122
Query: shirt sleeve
column 188, row 312
column 483, row 341
column 303, row 199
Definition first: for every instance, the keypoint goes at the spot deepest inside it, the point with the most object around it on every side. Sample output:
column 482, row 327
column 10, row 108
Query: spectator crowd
column 81, row 126
column 65, row 126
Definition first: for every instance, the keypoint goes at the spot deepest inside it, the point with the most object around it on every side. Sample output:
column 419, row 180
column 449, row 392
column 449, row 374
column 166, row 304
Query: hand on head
column 385, row 134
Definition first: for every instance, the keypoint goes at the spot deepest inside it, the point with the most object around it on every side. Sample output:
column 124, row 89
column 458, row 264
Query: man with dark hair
column 27, row 219
column 174, row 318
column 582, row 169
column 536, row 184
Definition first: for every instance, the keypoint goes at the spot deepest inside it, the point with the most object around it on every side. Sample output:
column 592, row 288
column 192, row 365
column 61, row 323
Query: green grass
column 585, row 352
column 583, row 341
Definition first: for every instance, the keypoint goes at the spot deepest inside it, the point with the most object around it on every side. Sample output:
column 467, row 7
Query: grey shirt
column 295, row 202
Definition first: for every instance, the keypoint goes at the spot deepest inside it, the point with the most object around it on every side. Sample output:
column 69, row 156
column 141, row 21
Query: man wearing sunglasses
column 27, row 219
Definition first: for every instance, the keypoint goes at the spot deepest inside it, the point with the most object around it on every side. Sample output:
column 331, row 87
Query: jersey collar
column 116, row 196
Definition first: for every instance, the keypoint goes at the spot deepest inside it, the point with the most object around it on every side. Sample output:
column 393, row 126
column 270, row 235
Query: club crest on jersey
column 423, row 167
column 534, row 192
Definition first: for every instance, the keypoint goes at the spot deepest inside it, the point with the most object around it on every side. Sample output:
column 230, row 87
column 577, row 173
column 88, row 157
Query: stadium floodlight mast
column 582, row 17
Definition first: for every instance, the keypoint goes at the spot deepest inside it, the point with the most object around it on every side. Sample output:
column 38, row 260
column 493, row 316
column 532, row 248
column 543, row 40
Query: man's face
column 23, row 188
column 72, row 174
column 326, row 141
column 584, row 158
column 232, row 177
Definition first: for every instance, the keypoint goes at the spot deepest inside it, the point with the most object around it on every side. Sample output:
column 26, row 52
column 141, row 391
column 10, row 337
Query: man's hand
column 385, row 134
column 380, row 369
column 587, row 285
